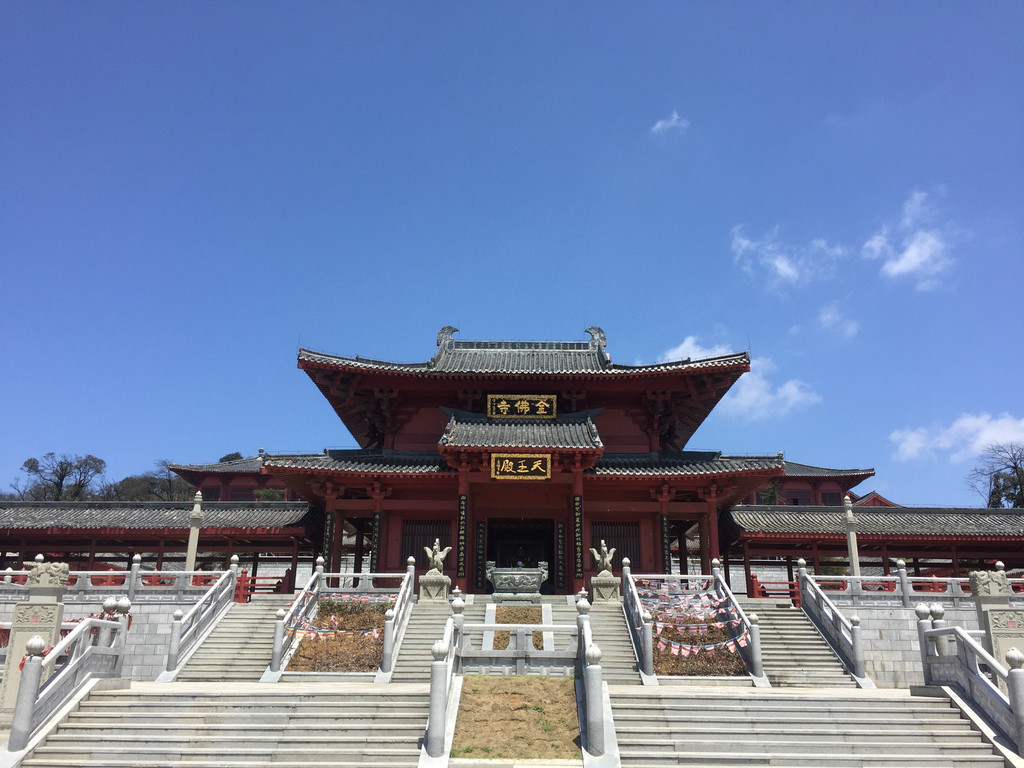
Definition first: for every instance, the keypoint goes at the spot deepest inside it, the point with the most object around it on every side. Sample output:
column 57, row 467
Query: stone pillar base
column 434, row 587
column 604, row 588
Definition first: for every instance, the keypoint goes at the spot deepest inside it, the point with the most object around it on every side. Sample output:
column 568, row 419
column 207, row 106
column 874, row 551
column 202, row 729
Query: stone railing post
column 924, row 623
column 937, row 612
column 438, row 699
column 124, row 606
column 716, row 567
column 278, row 652
column 174, row 643
column 134, row 581
column 756, row 666
column 582, row 617
column 906, row 588
column 234, row 565
column 459, row 620
column 109, row 607
column 388, row 650
column 1015, row 690
column 857, row 641
column 625, row 571
column 648, row 642
column 28, row 690
column 320, row 565
column 593, row 686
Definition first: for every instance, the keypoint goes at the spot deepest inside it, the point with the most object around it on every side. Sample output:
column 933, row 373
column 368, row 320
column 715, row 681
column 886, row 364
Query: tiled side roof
column 149, row 515
column 569, row 431
column 520, row 357
column 903, row 521
column 681, row 463
column 251, row 464
column 364, row 461
column 806, row 470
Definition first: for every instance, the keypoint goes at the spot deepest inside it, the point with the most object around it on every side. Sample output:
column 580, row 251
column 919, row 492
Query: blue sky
column 191, row 191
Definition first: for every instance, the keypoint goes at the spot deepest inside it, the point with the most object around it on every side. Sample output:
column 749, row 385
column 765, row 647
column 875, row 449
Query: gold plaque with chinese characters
column 522, row 406
column 521, row 466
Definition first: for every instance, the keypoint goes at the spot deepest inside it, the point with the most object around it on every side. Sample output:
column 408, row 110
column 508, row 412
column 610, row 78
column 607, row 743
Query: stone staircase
column 236, row 725
column 659, row 726
column 240, row 646
column 618, row 659
column 793, row 652
column 425, row 627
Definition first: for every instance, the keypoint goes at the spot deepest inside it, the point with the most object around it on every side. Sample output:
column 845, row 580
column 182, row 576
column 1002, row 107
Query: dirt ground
column 359, row 653
column 517, row 717
column 518, row 614
column 722, row 663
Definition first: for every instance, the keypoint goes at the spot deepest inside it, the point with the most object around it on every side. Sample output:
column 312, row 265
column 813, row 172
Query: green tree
column 160, row 485
column 231, row 457
column 999, row 476
column 61, row 478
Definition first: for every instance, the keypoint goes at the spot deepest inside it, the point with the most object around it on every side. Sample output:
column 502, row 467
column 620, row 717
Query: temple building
column 513, row 452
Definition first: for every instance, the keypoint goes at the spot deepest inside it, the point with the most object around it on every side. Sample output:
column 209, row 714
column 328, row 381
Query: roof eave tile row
column 523, row 362
column 889, row 521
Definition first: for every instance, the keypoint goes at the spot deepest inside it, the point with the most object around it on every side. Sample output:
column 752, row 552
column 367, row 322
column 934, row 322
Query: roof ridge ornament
column 598, row 341
column 444, row 336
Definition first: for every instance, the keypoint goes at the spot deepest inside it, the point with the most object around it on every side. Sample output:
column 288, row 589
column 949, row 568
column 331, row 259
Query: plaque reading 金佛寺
column 522, row 406
column 521, row 466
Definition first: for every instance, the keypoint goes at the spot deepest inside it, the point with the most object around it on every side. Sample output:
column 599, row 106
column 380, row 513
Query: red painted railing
column 788, row 590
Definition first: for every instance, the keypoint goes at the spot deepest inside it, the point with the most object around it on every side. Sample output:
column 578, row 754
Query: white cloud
column 754, row 397
column 965, row 438
column 691, row 349
column 784, row 263
column 923, row 254
column 830, row 316
column 671, row 124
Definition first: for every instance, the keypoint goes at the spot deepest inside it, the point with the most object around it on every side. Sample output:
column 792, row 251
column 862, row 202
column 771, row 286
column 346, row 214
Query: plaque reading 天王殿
column 522, row 406
column 521, row 466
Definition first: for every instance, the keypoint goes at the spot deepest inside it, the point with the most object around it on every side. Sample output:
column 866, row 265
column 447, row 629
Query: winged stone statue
column 437, row 555
column 603, row 558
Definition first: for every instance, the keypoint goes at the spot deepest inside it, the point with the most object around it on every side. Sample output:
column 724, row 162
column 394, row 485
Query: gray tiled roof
column 247, row 465
column 364, row 461
column 682, row 463
column 522, row 357
column 902, row 521
column 149, row 515
column 807, row 470
column 467, row 430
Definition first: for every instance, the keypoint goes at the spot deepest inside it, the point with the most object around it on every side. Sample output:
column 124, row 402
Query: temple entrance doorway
column 522, row 543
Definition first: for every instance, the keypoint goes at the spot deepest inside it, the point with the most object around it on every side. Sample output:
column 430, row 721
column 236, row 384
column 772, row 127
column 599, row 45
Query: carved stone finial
column 439, row 650
column 48, row 575
column 937, row 611
column 593, row 654
column 444, row 336
column 436, row 556
column 124, row 605
column 35, row 645
column 603, row 558
column 990, row 584
column 922, row 611
column 1015, row 658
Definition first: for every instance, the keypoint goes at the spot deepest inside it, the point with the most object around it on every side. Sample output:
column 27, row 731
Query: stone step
column 726, row 759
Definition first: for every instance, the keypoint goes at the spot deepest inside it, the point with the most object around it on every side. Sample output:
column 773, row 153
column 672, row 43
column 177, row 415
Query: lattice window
column 417, row 534
column 624, row 537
